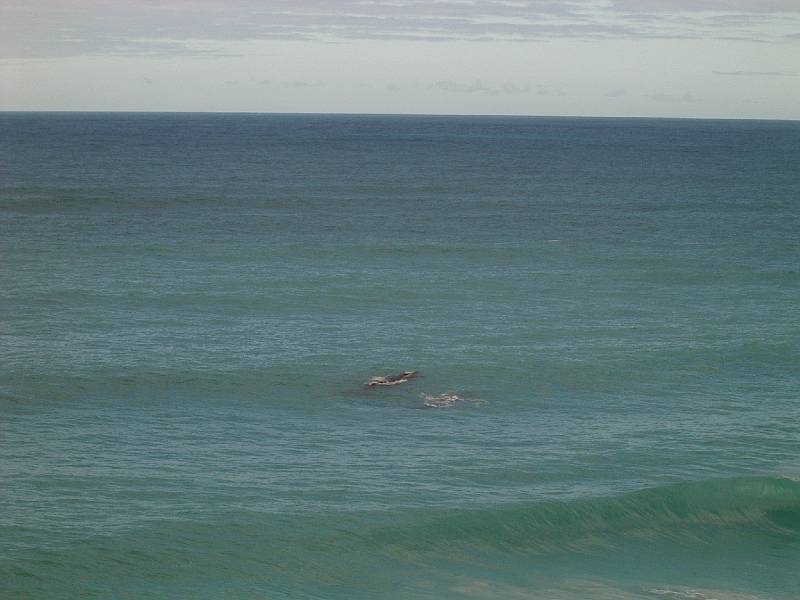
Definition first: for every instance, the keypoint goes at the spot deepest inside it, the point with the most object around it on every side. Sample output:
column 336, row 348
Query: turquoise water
column 191, row 304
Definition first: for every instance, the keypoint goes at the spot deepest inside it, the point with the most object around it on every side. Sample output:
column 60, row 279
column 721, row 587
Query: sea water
column 191, row 304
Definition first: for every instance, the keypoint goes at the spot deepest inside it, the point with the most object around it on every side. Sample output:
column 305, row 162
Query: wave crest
column 771, row 504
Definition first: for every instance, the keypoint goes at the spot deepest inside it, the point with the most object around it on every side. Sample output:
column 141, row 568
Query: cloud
column 751, row 6
column 299, row 84
column 461, row 88
column 543, row 90
column 47, row 28
column 478, row 87
column 756, row 73
column 513, row 88
column 671, row 98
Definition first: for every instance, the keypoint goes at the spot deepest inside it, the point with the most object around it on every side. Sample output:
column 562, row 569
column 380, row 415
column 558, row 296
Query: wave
column 461, row 552
column 770, row 504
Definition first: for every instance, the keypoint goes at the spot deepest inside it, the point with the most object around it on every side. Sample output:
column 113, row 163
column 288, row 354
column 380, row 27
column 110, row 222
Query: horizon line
column 380, row 114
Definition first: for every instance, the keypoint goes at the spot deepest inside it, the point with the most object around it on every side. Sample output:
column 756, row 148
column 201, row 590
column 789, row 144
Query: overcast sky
column 683, row 58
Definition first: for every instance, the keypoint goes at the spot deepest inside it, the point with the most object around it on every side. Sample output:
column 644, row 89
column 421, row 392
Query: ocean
column 604, row 315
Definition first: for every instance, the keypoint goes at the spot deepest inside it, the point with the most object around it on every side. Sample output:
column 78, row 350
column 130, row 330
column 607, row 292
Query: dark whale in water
column 391, row 379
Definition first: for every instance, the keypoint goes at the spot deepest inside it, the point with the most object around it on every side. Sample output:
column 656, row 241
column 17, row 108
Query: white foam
column 589, row 590
column 441, row 401
column 446, row 400
column 686, row 593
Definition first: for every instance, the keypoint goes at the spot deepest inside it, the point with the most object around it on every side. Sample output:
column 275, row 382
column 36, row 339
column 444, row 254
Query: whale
column 382, row 380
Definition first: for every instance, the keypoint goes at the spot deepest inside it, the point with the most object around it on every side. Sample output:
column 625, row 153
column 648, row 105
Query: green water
column 191, row 305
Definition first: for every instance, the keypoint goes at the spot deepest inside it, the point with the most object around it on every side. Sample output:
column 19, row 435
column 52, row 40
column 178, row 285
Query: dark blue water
column 190, row 305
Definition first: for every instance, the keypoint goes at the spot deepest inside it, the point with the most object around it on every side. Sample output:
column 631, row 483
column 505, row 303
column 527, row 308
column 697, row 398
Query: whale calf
column 440, row 400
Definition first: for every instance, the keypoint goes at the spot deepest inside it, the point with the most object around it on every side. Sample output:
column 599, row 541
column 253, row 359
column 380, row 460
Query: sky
column 657, row 58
